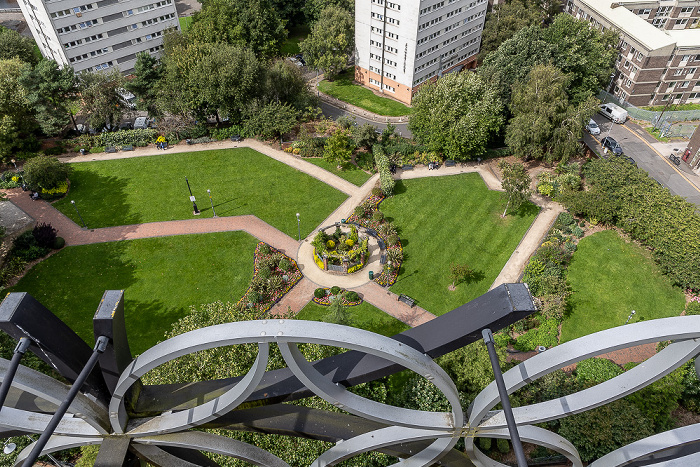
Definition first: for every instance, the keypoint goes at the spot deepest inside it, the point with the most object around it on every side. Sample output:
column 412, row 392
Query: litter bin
column 82, row 152
column 371, row 275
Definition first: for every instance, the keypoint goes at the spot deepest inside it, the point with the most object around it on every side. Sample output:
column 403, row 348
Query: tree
column 456, row 115
column 365, row 135
column 45, row 172
column 337, row 148
column 331, row 41
column 337, row 312
column 313, row 8
column 544, row 124
column 273, row 120
column 516, row 183
column 50, row 90
column 285, row 83
column 147, row 74
column 99, row 97
column 252, row 23
column 17, row 124
column 13, row 45
column 503, row 22
column 460, row 273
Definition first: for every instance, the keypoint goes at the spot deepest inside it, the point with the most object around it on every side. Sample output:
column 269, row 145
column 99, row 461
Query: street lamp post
column 630, row 316
column 76, row 210
column 212, row 202
column 298, row 226
column 194, row 204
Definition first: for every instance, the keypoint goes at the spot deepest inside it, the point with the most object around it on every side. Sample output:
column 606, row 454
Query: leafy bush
column 264, row 272
column 378, row 216
column 119, row 139
column 284, row 265
column 53, row 193
column 335, row 290
column 198, row 131
column 546, row 335
column 275, row 283
column 382, row 161
column 692, row 308
column 485, row 444
column 45, row 172
column 59, row 243
column 201, row 140
column 690, row 398
column 564, row 219
column 351, row 296
column 11, row 268
column 597, row 370
column 265, row 249
column 502, row 445
column 320, row 292
column 10, row 179
column 577, row 231
column 226, row 133
column 330, row 244
column 659, row 399
column 44, row 234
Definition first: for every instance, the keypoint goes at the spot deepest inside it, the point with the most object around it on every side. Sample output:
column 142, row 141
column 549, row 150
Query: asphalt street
column 334, row 112
column 650, row 156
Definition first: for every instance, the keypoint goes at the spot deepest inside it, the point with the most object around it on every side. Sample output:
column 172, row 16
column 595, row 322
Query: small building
column 659, row 47
column 101, row 34
column 401, row 44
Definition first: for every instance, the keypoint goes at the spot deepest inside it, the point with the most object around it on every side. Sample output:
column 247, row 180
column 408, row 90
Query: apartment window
column 680, row 23
column 691, row 71
column 677, row 72
column 133, row 26
column 694, row 95
column 644, row 12
column 687, row 10
column 61, row 14
column 640, row 56
column 685, row 58
column 129, row 12
column 663, row 11
column 627, row 65
column 671, row 85
column 659, row 22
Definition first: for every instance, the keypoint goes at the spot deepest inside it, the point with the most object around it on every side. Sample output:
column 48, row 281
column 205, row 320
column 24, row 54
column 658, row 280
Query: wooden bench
column 407, row 300
column 110, row 149
column 407, row 167
column 128, row 147
column 450, row 163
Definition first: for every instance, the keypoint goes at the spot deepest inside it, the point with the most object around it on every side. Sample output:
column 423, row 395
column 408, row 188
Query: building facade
column 659, row 47
column 99, row 35
column 401, row 44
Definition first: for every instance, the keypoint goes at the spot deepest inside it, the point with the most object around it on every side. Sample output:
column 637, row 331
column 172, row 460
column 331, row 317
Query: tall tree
column 50, row 90
column 251, row 23
column 516, row 183
column 273, row 120
column 147, row 74
column 285, row 83
column 12, row 45
column 503, row 22
column 99, row 97
column 456, row 115
column 313, row 8
column 17, row 124
column 331, row 41
column 544, row 124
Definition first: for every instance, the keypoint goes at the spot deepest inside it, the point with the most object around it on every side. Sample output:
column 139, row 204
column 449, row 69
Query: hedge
column 386, row 180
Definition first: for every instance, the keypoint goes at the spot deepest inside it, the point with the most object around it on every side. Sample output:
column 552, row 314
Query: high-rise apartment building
column 401, row 44
column 100, row 34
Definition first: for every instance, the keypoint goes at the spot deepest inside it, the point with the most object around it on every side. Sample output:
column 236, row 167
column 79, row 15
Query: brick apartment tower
column 101, row 34
column 401, row 44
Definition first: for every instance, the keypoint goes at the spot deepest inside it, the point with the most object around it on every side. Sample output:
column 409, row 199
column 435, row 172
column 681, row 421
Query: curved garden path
column 300, row 295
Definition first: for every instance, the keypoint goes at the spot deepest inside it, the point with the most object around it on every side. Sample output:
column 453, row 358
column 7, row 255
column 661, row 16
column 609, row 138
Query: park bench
column 407, row 300
column 128, row 147
column 381, row 244
column 110, row 149
column 407, row 167
column 382, row 259
column 450, row 163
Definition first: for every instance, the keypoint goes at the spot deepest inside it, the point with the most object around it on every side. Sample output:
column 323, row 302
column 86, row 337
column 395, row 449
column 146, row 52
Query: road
column 650, row 156
column 334, row 112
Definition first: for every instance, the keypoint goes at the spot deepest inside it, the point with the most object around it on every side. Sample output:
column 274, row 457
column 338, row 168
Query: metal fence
column 335, row 268
column 652, row 116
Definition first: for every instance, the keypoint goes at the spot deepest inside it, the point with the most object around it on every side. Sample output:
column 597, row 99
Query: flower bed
column 264, row 292
column 326, row 299
column 367, row 215
column 341, row 248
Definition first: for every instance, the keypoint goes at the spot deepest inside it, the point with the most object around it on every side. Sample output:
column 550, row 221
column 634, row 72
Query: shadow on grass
column 399, row 188
column 147, row 322
column 525, row 210
column 102, row 200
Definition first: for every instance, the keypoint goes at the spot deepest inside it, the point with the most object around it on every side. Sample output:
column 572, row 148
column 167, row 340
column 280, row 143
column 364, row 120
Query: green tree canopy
column 45, row 172
column 272, row 120
column 252, row 23
column 17, row 124
column 516, row 183
column 456, row 115
column 504, row 21
column 338, row 149
column 544, row 124
column 285, row 83
column 147, row 74
column 12, row 45
column 331, row 41
column 99, row 97
column 50, row 90
column 313, row 8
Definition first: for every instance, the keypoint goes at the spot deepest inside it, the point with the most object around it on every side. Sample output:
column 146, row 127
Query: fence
column 649, row 115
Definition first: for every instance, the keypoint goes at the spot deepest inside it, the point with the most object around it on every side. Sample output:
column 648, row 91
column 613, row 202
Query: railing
column 649, row 115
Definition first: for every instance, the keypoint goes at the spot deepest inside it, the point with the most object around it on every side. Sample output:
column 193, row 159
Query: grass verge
column 185, row 23
column 656, row 134
column 352, row 174
column 344, row 89
column 152, row 189
column 609, row 278
column 457, row 219
column 162, row 277
column 363, row 316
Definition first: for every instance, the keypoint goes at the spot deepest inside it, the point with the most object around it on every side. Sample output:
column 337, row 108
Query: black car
column 300, row 57
column 612, row 145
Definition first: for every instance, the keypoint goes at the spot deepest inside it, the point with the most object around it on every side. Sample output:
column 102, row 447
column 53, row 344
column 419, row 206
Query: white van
column 614, row 112
column 141, row 123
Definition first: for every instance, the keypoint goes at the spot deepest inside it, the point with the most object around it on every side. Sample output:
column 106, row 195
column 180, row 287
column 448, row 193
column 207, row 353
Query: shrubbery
column 382, row 161
column 45, row 172
column 597, row 370
column 546, row 334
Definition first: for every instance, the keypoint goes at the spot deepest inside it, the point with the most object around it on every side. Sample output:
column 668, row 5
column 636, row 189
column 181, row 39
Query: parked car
column 295, row 61
column 612, row 145
column 593, row 127
column 614, row 112
column 127, row 98
column 300, row 57
column 141, row 123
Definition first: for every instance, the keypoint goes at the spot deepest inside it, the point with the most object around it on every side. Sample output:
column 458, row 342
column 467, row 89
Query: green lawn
column 352, row 174
column 452, row 219
column 185, row 23
column 344, row 89
column 296, row 35
column 363, row 316
column 610, row 278
column 242, row 181
column 161, row 277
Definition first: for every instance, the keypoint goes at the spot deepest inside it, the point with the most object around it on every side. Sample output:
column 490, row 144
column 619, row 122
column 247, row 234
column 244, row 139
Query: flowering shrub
column 56, row 192
column 264, row 292
column 346, row 297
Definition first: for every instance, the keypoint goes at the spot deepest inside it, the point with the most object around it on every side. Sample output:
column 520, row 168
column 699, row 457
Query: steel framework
column 131, row 421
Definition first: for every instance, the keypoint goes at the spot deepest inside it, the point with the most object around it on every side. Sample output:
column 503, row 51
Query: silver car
column 593, row 127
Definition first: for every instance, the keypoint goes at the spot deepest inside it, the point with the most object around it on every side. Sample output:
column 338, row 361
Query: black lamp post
column 212, row 203
column 76, row 210
column 298, row 226
column 194, row 204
